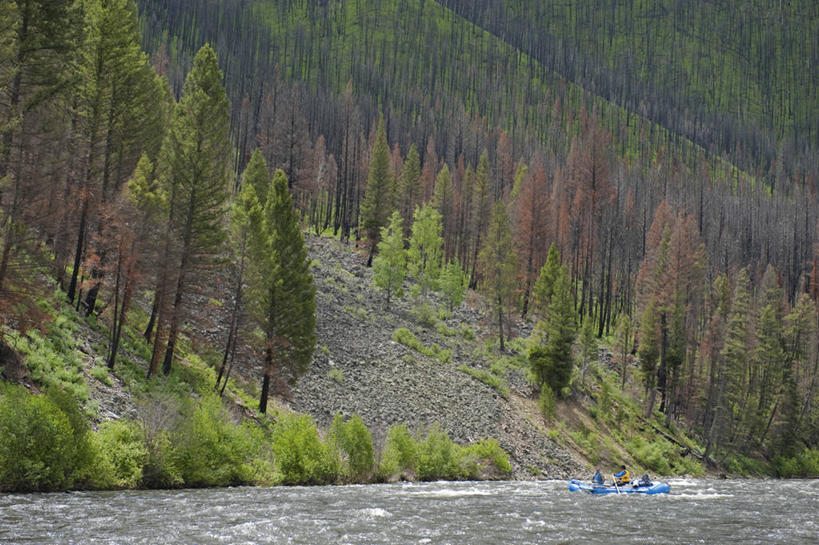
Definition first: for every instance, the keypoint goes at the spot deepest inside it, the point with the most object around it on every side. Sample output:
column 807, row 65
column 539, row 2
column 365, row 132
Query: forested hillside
column 661, row 155
column 638, row 174
column 735, row 77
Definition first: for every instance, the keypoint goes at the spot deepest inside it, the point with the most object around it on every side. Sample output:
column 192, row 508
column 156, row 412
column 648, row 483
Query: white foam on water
column 706, row 495
column 452, row 492
column 376, row 512
column 684, row 482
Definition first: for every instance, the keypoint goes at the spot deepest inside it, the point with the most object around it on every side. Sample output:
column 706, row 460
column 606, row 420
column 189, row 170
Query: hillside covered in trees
column 593, row 172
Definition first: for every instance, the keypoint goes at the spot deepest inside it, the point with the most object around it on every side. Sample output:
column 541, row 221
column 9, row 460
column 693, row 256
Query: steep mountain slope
column 715, row 72
column 436, row 74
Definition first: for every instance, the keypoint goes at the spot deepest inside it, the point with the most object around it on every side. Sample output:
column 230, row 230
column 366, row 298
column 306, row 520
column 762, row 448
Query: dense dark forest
column 666, row 151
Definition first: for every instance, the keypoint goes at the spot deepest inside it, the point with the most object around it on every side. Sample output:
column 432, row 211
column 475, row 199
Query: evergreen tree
column 43, row 42
column 133, row 224
column 390, row 265
column 426, row 248
column 497, row 264
column 453, row 284
column 248, row 203
column 409, row 189
column 649, row 352
column 194, row 166
column 544, row 285
column 376, row 206
column 800, row 333
column 124, row 108
column 38, row 48
column 442, row 201
column 552, row 363
column 735, row 353
column 283, row 293
column 482, row 205
column 769, row 359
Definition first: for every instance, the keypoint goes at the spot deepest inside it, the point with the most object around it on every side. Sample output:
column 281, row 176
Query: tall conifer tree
column 497, row 265
column 195, row 159
column 284, row 296
column 376, row 206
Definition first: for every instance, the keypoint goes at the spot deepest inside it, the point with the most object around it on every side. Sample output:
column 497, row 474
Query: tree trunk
column 268, row 369
column 176, row 315
column 72, row 287
column 500, row 322
column 154, row 309
column 234, row 317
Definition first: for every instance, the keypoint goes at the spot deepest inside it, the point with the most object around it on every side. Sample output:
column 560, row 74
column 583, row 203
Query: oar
column 615, row 483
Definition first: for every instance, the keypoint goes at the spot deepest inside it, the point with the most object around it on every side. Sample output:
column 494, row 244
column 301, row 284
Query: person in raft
column 623, row 476
column 598, row 477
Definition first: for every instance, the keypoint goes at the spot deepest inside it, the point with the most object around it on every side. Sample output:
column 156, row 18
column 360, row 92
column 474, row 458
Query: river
column 696, row 511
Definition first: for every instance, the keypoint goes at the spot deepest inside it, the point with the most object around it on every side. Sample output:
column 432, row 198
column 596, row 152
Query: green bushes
column 301, row 457
column 354, row 444
column 804, row 464
column 662, row 457
column 400, row 457
column 211, row 449
column 122, row 445
column 490, row 379
column 48, row 446
column 407, row 338
column 438, row 457
column 424, row 314
column 46, row 442
column 484, row 459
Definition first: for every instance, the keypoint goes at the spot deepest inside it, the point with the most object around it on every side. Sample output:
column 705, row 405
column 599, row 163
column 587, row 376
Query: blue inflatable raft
column 652, row 488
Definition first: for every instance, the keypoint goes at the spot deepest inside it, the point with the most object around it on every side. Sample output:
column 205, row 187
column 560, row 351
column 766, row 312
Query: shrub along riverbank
column 48, row 445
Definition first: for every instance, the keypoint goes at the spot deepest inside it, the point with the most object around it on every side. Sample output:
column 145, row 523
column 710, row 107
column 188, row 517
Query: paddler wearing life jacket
column 623, row 476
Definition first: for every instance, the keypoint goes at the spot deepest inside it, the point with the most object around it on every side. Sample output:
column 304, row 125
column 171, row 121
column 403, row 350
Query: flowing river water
column 492, row 513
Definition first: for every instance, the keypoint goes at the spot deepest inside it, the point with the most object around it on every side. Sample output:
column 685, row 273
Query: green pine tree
column 376, row 206
column 442, row 200
column 623, row 338
column 247, row 208
column 283, row 293
column 497, row 264
column 735, row 353
column 552, row 363
column 800, row 332
column 409, row 191
column 124, row 107
column 194, row 166
column 390, row 265
column 481, row 201
column 544, row 285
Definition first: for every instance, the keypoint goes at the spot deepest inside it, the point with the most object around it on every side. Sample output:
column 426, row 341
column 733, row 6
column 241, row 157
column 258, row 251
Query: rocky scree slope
column 358, row 369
